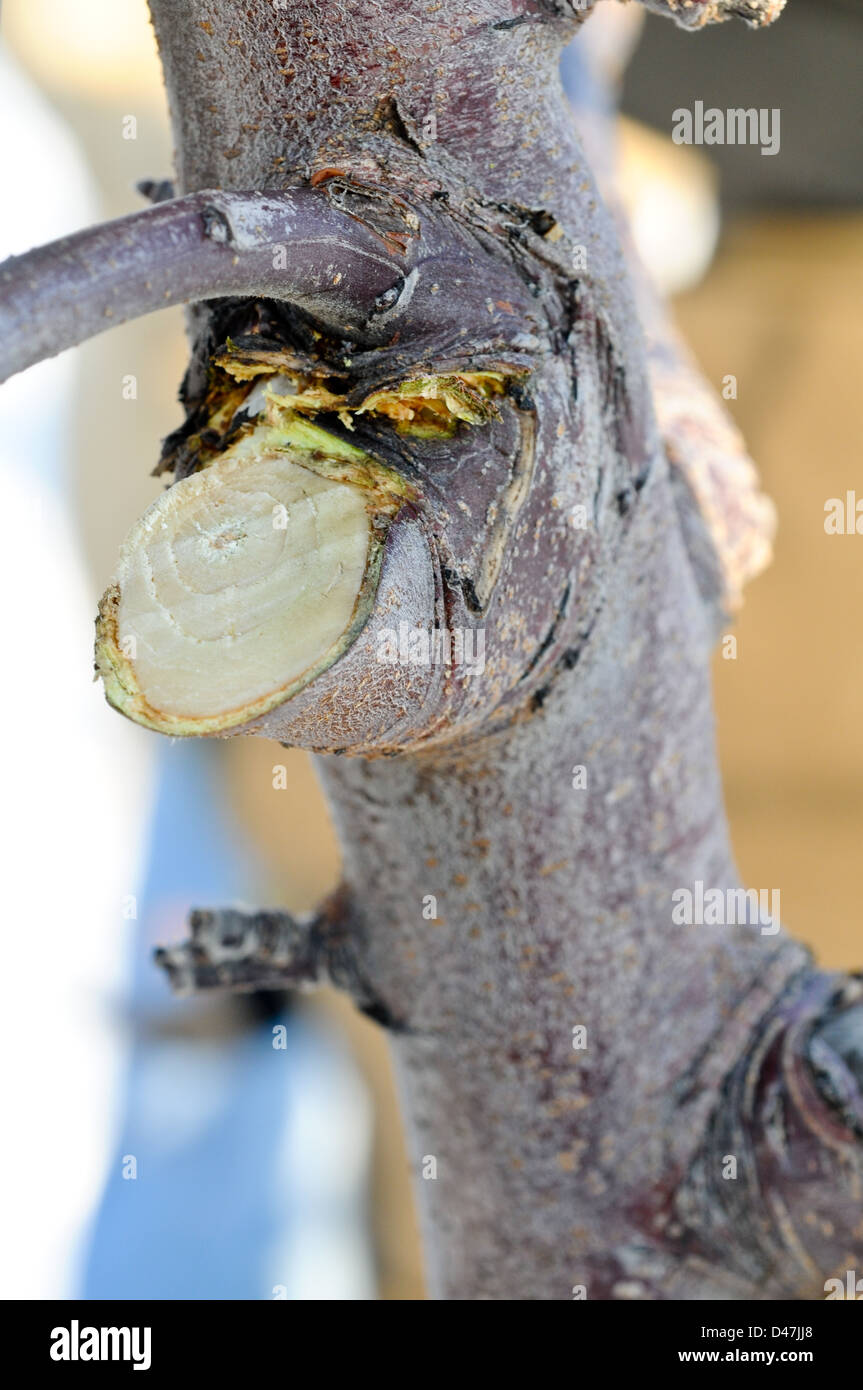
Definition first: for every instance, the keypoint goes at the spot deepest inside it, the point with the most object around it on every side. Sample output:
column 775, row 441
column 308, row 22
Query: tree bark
column 578, row 1068
column 294, row 246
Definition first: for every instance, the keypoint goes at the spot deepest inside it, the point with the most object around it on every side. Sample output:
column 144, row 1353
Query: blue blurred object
column 211, row 1212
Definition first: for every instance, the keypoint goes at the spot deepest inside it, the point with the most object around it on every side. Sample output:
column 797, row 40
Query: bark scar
column 216, row 225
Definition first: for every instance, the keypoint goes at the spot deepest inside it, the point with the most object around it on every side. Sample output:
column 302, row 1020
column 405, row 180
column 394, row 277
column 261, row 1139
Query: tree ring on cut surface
column 236, row 588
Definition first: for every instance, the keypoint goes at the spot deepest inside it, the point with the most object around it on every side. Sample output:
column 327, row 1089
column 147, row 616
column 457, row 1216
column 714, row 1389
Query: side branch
column 693, row 14
column 229, row 949
column 234, row 950
column 294, row 246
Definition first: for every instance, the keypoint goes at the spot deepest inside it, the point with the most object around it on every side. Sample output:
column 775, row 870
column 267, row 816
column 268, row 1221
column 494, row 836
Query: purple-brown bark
column 297, row 246
column 493, row 903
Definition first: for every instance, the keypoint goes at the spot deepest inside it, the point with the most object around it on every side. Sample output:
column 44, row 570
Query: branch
column 792, row 1116
column 693, row 14
column 292, row 246
column 242, row 951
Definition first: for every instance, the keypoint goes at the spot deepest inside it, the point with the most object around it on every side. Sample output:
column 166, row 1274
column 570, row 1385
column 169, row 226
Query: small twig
column 692, row 14
column 234, row 950
column 229, row 949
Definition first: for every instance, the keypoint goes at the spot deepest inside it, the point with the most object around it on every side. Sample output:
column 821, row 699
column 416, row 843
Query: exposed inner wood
column 254, row 573
column 426, row 406
column 238, row 585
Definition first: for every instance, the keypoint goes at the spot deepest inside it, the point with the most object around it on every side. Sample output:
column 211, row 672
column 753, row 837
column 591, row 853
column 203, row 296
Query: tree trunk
column 602, row 1100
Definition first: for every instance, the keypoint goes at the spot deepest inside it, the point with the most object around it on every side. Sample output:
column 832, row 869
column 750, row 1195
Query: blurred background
column 250, row 1148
